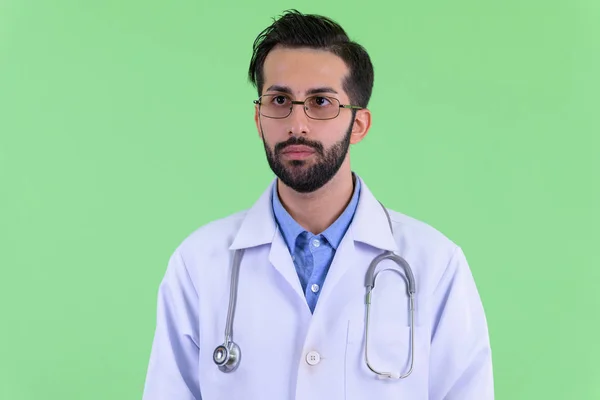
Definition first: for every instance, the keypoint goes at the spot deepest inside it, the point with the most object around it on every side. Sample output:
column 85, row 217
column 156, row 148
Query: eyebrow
column 288, row 90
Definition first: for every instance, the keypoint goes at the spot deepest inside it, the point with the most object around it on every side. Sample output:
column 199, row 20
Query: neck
column 316, row 211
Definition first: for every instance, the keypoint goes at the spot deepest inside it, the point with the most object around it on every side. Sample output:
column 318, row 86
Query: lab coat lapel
column 369, row 226
column 281, row 259
column 344, row 260
column 259, row 228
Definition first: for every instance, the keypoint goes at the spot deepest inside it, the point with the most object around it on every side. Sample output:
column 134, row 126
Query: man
column 270, row 303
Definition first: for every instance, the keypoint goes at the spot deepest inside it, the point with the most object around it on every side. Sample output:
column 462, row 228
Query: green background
column 125, row 125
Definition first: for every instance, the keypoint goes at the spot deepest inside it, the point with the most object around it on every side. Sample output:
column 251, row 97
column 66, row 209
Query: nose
column 298, row 121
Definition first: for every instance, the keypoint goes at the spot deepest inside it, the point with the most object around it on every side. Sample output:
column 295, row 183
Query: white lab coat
column 276, row 331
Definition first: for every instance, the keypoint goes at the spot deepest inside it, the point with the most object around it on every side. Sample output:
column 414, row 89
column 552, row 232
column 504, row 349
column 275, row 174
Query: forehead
column 304, row 69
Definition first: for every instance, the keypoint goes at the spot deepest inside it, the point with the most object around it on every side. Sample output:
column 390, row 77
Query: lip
column 298, row 149
column 298, row 152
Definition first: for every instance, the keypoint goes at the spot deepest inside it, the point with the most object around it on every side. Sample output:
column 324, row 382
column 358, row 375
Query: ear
column 362, row 124
column 257, row 120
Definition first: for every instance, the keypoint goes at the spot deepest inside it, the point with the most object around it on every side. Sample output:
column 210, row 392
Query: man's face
column 305, row 153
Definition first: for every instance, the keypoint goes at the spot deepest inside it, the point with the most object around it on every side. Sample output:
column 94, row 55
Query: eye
column 320, row 101
column 280, row 100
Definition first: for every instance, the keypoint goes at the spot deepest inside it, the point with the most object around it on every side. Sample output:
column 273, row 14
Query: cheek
column 273, row 130
column 271, row 133
column 334, row 132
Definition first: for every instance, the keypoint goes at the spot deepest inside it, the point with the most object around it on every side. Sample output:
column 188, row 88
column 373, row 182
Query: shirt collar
column 256, row 226
column 334, row 234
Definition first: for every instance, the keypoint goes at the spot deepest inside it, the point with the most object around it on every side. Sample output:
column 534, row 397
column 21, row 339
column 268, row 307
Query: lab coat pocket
column 387, row 352
column 381, row 349
column 373, row 369
column 386, row 348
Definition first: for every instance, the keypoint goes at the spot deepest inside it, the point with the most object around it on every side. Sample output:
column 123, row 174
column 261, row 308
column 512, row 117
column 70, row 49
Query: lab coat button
column 313, row 358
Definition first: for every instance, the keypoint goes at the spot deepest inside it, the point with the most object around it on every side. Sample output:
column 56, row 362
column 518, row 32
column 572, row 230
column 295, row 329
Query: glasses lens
column 275, row 105
column 321, row 107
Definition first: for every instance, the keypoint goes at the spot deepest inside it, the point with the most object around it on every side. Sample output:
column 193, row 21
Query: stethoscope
column 228, row 355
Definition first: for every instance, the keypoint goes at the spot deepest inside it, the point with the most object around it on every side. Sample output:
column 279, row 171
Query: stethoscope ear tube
column 228, row 355
column 370, row 278
column 370, row 284
column 401, row 262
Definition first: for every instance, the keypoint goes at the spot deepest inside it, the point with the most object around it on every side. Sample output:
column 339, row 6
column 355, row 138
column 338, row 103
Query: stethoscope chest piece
column 226, row 357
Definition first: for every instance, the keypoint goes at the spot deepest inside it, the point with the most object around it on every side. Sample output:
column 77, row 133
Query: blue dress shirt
column 312, row 254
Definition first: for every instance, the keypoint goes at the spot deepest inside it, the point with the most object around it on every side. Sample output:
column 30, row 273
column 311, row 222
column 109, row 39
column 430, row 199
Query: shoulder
column 216, row 235
column 431, row 253
column 408, row 228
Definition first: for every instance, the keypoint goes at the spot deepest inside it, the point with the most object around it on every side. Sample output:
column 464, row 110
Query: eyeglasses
column 316, row 107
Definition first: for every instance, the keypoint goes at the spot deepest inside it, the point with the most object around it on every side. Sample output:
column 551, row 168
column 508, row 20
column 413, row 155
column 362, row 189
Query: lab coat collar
column 258, row 226
column 369, row 225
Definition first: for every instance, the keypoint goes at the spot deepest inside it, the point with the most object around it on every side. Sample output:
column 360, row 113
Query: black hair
column 294, row 30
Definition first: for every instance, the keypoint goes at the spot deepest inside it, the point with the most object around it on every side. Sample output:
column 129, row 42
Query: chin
column 298, row 163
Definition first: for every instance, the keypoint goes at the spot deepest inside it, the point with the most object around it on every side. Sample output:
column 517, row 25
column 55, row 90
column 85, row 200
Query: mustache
column 299, row 141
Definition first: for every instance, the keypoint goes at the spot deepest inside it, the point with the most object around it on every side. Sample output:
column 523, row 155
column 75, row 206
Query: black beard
column 303, row 179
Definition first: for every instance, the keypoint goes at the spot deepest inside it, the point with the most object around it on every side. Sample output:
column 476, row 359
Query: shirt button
column 313, row 358
column 316, row 243
column 314, row 288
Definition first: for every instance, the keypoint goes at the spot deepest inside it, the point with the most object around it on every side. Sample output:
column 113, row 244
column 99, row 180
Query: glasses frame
column 298, row 102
